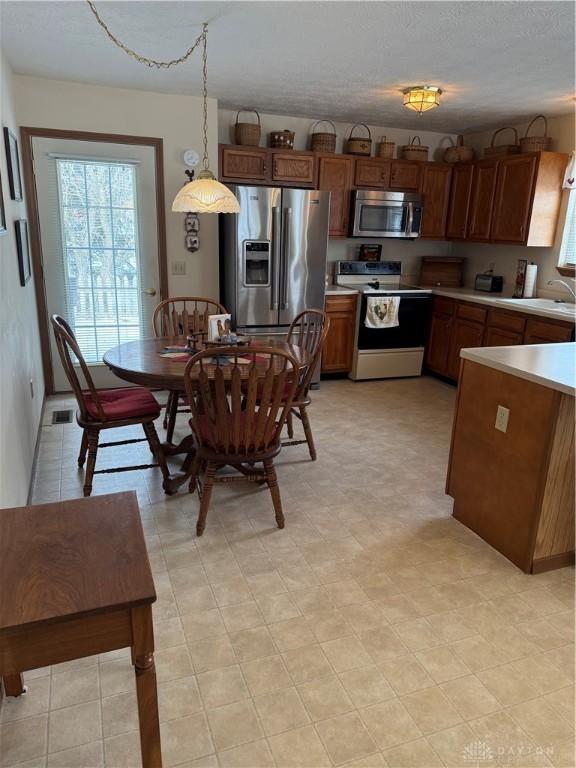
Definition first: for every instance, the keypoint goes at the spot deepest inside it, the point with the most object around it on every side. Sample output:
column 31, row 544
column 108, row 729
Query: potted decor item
column 282, row 139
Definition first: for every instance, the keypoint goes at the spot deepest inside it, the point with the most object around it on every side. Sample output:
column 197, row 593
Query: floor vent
column 61, row 417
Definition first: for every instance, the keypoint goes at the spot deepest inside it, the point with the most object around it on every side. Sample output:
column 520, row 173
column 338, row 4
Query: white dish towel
column 382, row 311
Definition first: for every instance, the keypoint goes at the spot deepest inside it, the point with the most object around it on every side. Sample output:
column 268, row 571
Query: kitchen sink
column 567, row 308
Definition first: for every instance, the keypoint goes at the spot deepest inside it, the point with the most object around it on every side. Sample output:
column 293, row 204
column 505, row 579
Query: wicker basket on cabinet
column 414, row 151
column 501, row 150
column 536, row 143
column 359, row 146
column 323, row 141
column 247, row 134
column 385, row 149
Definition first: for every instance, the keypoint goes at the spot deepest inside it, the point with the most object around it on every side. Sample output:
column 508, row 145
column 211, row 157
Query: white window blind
column 568, row 247
column 97, row 203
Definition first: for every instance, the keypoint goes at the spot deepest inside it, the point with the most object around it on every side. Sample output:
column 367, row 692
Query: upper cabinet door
column 295, row 167
column 372, row 173
column 482, row 204
column 460, row 193
column 436, row 195
column 514, row 192
column 335, row 176
column 405, row 175
column 244, row 164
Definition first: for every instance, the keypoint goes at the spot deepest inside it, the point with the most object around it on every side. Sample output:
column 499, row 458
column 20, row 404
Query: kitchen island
column 511, row 469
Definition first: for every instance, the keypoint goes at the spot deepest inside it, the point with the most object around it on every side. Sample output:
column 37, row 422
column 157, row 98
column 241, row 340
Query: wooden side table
column 76, row 581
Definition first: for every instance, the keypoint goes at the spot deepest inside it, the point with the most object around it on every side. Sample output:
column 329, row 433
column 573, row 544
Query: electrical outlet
column 178, row 267
column 502, row 415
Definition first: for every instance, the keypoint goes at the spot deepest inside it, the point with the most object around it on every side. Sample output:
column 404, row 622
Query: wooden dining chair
column 105, row 409
column 181, row 316
column 309, row 330
column 239, row 404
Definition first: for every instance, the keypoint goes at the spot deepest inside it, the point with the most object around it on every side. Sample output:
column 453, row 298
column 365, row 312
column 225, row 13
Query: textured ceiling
column 498, row 62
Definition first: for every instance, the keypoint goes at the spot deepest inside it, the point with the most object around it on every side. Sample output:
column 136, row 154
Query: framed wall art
column 13, row 161
column 23, row 250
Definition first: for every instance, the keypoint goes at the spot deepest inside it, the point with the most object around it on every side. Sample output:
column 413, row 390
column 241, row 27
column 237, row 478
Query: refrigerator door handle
column 276, row 256
column 286, row 255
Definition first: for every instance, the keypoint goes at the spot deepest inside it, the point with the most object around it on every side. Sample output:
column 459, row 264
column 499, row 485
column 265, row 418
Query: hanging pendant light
column 421, row 98
column 205, row 194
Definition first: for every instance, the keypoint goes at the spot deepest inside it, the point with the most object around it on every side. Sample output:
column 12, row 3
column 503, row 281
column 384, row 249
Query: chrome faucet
column 566, row 285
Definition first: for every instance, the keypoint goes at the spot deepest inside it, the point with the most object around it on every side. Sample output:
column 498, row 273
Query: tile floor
column 373, row 631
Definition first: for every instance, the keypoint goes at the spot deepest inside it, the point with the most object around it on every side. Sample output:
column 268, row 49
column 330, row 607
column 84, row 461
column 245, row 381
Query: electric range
column 387, row 352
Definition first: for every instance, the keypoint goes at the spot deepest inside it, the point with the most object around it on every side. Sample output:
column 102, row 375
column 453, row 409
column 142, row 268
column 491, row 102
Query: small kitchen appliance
column 381, row 353
column 489, row 283
column 385, row 214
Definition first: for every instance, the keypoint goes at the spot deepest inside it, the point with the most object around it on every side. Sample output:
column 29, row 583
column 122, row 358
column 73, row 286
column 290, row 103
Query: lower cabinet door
column 497, row 337
column 464, row 334
column 439, row 343
column 339, row 347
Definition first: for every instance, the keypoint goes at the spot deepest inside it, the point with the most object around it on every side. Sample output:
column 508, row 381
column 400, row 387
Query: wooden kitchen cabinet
column 298, row 168
column 335, row 176
column 459, row 206
column 244, row 164
column 465, row 333
column 527, row 199
column 438, row 345
column 482, row 202
column 339, row 347
column 405, row 176
column 497, row 337
column 544, row 331
column 513, row 196
column 435, row 190
column 372, row 173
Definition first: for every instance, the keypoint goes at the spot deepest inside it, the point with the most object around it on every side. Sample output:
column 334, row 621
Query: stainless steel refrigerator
column 273, row 257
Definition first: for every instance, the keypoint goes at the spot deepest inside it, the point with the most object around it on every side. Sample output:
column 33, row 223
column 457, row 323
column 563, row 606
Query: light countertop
column 539, row 307
column 551, row 365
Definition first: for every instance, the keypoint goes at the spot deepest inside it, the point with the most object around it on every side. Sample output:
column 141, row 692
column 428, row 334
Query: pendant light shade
column 205, row 195
column 421, row 98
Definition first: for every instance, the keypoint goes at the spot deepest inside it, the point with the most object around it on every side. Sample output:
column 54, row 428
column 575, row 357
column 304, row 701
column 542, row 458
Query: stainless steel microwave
column 385, row 214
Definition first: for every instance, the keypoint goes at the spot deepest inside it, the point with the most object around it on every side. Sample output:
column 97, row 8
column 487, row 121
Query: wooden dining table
column 145, row 362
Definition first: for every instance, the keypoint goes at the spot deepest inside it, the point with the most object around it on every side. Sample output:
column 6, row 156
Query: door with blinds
column 99, row 236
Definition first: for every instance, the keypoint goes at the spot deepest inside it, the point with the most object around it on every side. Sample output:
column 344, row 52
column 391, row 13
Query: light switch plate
column 502, row 415
column 178, row 267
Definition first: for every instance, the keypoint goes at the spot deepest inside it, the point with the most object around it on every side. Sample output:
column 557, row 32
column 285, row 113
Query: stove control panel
column 369, row 269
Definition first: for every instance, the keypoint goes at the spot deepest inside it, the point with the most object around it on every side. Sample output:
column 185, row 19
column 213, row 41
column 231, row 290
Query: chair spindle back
column 182, row 315
column 309, row 330
column 68, row 346
column 240, row 402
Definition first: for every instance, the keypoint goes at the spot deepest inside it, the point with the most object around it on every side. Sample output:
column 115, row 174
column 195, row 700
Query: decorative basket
column 385, row 149
column 321, row 141
column 414, row 151
column 500, row 150
column 282, row 139
column 359, row 146
column 459, row 153
column 247, row 134
column 536, row 143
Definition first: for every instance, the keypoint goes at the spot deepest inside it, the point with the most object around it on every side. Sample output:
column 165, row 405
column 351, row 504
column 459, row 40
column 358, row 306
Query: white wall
column 408, row 252
column 505, row 257
column 20, row 357
column 177, row 120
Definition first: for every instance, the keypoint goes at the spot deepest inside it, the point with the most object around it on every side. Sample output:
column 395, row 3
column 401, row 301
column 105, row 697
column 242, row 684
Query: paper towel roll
column 530, row 282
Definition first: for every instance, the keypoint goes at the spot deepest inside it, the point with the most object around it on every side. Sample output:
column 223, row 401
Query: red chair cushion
column 203, row 429
column 119, row 404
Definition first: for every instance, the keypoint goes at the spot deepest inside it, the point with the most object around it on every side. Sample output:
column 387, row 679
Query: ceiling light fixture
column 421, row 98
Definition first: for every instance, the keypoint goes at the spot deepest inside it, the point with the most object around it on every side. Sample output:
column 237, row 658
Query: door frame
column 27, row 135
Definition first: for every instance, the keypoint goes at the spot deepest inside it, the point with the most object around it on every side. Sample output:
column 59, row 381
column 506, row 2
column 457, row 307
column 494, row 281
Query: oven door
column 412, row 331
column 379, row 218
